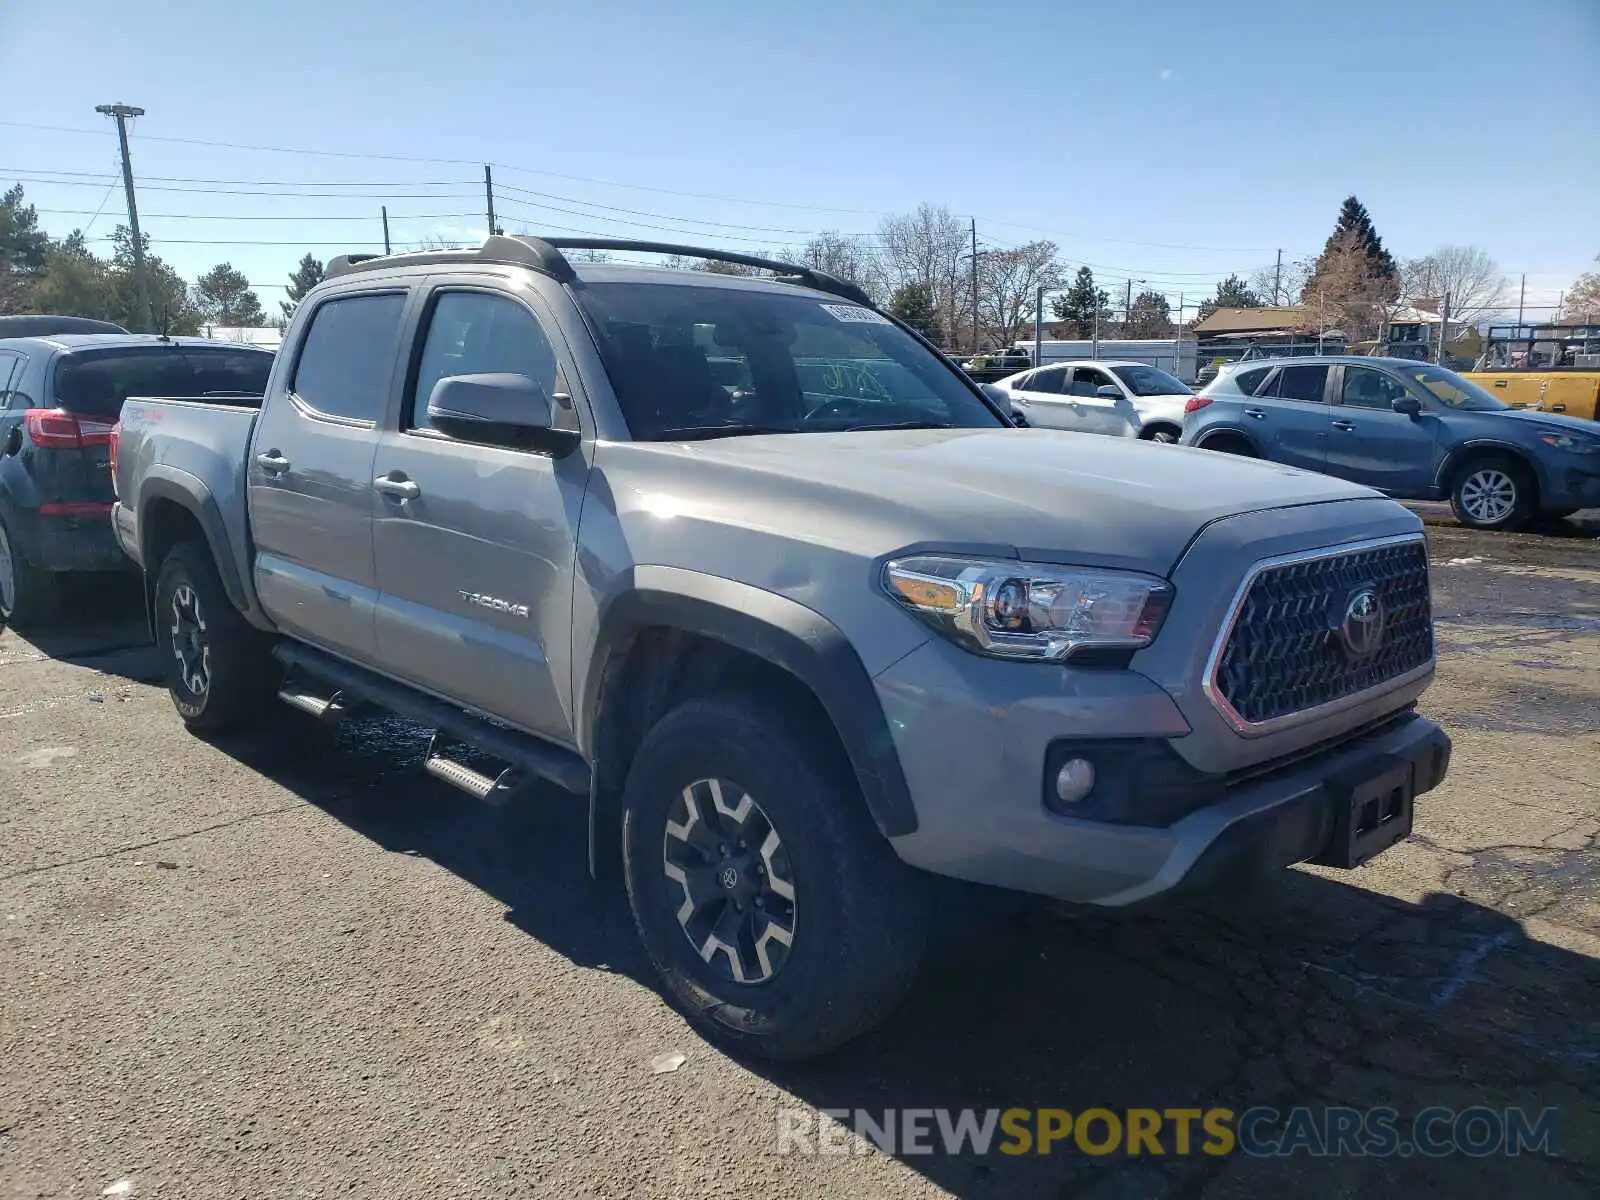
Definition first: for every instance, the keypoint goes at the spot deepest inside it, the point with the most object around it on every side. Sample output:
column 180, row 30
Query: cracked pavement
column 291, row 965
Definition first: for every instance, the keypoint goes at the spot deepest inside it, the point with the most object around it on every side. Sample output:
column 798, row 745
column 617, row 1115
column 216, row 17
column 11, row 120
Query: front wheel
column 1493, row 493
column 218, row 666
column 779, row 918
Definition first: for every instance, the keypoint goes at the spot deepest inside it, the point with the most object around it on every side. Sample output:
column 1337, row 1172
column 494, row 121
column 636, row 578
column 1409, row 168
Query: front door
column 310, row 473
column 475, row 544
column 1295, row 423
column 1370, row 443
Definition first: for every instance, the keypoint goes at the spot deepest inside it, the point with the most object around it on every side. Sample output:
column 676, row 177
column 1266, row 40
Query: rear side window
column 1048, row 381
column 347, row 359
column 10, row 365
column 1248, row 381
column 1302, row 383
column 96, row 384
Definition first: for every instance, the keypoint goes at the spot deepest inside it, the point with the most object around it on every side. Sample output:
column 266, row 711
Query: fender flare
column 190, row 493
column 778, row 630
column 1229, row 430
column 1466, row 450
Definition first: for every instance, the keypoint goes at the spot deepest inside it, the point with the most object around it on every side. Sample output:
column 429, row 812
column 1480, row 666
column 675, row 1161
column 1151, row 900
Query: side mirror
column 1108, row 391
column 1409, row 405
column 501, row 409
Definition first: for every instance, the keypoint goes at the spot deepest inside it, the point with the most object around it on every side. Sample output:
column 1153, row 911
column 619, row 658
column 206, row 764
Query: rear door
column 474, row 544
column 1293, row 423
column 1039, row 398
column 1370, row 443
column 310, row 469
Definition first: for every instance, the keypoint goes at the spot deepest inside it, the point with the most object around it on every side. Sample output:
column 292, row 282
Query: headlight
column 1015, row 609
column 1573, row 443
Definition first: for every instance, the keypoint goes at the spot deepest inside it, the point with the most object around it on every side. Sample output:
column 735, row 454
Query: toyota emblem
column 1361, row 630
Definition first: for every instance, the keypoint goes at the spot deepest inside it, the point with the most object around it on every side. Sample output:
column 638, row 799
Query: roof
column 1252, row 320
column 113, row 341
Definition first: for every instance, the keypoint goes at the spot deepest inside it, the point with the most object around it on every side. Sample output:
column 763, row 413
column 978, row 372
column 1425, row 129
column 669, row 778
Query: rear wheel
column 218, row 666
column 1230, row 444
column 779, row 918
column 1493, row 493
column 25, row 591
column 1167, row 435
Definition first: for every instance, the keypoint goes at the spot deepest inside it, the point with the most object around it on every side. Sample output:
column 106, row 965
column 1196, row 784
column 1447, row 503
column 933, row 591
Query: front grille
column 1285, row 652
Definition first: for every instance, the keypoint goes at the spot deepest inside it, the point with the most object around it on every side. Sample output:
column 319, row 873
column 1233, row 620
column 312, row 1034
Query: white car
column 1109, row 396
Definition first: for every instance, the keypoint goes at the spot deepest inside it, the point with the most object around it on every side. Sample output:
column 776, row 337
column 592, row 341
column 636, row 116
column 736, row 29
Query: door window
column 1302, row 383
column 1366, row 388
column 347, row 359
column 1085, row 380
column 475, row 333
column 1048, row 381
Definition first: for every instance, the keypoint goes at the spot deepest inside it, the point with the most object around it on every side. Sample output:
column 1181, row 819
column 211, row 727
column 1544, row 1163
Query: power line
column 209, row 191
column 82, row 212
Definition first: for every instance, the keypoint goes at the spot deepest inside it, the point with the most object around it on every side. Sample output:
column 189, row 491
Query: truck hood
column 1043, row 495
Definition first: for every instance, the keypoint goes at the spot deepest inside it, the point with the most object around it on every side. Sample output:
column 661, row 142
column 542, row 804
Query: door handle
column 1257, row 413
column 403, row 489
column 1345, row 426
column 272, row 462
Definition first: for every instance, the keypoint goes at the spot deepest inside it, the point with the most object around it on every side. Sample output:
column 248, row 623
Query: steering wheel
column 839, row 405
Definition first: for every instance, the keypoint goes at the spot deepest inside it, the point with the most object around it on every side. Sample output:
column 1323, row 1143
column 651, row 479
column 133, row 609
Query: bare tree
column 1583, row 298
column 1347, row 292
column 1008, row 287
column 1289, row 281
column 849, row 258
column 929, row 247
column 1467, row 274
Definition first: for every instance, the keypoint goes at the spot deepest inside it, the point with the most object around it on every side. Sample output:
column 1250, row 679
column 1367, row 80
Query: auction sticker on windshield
column 854, row 312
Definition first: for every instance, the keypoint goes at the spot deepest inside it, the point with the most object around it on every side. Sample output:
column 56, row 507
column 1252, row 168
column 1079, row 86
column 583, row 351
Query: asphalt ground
column 289, row 964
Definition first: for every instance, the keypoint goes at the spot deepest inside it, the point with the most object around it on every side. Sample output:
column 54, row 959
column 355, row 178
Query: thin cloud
column 1166, row 72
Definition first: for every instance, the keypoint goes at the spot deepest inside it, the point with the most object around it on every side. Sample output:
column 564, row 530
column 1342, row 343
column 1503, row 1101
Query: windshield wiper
column 897, row 425
column 707, row 432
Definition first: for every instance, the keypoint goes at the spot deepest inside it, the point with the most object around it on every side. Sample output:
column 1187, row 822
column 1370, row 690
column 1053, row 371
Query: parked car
column 59, row 398
column 45, row 324
column 797, row 640
column 1122, row 399
column 1411, row 430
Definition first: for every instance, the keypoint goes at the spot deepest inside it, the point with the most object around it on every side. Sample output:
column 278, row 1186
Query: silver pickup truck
column 804, row 618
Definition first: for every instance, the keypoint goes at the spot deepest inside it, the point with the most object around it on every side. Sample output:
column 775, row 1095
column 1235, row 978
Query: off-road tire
column 859, row 913
column 238, row 665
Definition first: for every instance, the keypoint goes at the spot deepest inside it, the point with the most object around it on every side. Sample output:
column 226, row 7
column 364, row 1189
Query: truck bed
column 169, row 446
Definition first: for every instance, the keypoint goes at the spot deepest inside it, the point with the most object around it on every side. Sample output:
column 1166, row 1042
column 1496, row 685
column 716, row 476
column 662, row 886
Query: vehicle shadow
column 1309, row 991
column 97, row 621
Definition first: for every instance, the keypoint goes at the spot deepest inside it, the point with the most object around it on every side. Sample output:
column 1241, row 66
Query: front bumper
column 976, row 774
column 1569, row 486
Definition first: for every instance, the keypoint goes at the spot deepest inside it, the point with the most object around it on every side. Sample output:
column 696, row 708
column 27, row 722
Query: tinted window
column 96, row 383
column 1248, row 381
column 799, row 363
column 1086, row 379
column 474, row 333
column 1048, row 381
column 1302, row 383
column 10, row 364
column 347, row 358
column 1366, row 388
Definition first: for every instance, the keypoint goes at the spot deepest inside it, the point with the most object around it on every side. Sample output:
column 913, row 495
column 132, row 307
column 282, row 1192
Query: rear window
column 692, row 360
column 96, row 383
column 1248, row 381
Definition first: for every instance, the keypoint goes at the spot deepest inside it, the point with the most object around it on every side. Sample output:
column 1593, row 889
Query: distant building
column 268, row 337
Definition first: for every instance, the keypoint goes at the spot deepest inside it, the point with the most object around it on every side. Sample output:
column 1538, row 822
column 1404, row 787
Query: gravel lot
column 290, row 965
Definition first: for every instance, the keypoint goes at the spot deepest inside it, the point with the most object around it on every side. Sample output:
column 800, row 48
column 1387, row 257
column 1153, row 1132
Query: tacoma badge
column 497, row 604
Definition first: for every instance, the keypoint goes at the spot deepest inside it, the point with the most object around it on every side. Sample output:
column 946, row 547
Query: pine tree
column 223, row 297
column 1082, row 304
column 301, row 280
column 1232, row 292
column 913, row 304
column 1353, row 217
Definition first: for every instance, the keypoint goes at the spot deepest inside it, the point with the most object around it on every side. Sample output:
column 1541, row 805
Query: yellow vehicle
column 1552, row 368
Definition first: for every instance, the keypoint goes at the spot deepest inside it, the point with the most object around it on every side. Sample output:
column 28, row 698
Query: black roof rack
column 544, row 255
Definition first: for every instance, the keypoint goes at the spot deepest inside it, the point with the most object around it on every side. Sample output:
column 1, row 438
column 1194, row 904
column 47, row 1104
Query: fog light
column 1075, row 780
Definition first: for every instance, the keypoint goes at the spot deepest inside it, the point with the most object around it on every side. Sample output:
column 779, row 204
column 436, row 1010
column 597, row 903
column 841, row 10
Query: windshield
column 1149, row 381
column 1451, row 389
column 694, row 360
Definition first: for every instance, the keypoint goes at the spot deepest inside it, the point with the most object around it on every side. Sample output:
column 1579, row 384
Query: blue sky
column 1169, row 142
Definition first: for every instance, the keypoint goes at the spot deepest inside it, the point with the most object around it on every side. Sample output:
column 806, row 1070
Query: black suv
column 60, row 397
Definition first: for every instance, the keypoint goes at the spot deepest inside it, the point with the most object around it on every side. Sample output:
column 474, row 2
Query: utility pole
column 1522, row 295
column 386, row 229
column 1127, row 311
column 1177, row 338
column 120, row 113
column 488, row 195
column 1444, row 326
column 1277, row 278
column 974, row 285
column 1038, row 325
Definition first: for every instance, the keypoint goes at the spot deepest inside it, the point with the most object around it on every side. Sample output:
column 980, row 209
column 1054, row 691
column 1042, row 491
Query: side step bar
column 491, row 789
column 529, row 755
column 323, row 708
